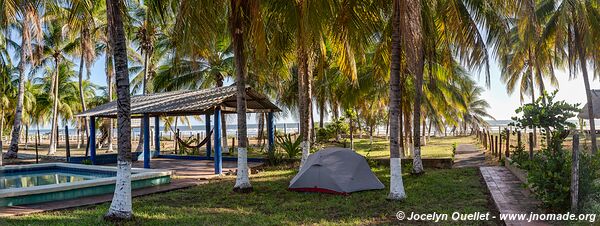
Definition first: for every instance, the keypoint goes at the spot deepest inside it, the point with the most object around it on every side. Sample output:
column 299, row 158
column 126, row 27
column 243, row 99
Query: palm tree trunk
column 13, row 149
column 237, row 26
column 304, row 83
column 413, row 45
column 121, row 206
column 588, row 92
column 396, row 185
column 54, row 129
column 261, row 128
column 144, row 91
column 321, row 115
column 110, row 120
column 81, row 96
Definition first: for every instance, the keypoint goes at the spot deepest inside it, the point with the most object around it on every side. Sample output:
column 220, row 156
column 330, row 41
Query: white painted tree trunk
column 305, row 152
column 121, row 203
column 396, row 185
column 242, row 180
column 417, row 163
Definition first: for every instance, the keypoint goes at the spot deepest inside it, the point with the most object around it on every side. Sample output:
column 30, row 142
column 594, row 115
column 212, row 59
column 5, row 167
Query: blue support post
column 207, row 125
column 146, row 141
column 217, row 136
column 92, row 140
column 271, row 131
column 157, row 136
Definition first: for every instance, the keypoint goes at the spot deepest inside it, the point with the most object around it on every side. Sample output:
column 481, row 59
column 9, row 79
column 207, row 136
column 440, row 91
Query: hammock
column 184, row 143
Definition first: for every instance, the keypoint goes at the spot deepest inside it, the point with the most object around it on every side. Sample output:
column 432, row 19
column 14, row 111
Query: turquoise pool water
column 46, row 176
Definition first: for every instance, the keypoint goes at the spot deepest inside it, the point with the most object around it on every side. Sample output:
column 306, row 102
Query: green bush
column 549, row 176
column 549, row 172
column 290, row 147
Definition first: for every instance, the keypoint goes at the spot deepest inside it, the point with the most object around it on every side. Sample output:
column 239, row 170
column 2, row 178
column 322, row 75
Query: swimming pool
column 28, row 184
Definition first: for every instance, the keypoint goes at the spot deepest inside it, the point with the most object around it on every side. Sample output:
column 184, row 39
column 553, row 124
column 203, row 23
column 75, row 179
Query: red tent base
column 319, row 190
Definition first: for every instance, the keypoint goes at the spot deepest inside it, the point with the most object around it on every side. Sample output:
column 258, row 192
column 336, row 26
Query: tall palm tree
column 412, row 41
column 573, row 29
column 396, row 185
column 31, row 29
column 121, row 206
column 84, row 20
column 198, row 23
column 55, row 50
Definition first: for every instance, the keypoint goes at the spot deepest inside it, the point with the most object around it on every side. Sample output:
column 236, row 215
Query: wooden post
column 575, row 174
column 519, row 139
column 530, row 145
column 198, row 142
column 507, row 151
column 500, row 145
column 491, row 143
column 176, row 140
column 37, row 140
column 496, row 147
column 67, row 144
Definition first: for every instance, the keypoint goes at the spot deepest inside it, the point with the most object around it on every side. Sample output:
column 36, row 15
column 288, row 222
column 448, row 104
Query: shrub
column 290, row 147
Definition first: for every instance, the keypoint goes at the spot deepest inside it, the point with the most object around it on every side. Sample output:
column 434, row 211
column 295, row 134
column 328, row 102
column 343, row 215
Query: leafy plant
column 290, row 146
column 549, row 172
column 86, row 162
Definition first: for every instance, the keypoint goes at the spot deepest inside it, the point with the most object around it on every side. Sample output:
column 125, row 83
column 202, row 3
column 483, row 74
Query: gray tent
column 336, row 171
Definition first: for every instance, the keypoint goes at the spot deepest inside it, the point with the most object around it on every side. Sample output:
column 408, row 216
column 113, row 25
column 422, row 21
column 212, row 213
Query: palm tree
column 121, row 206
column 198, row 24
column 574, row 30
column 396, row 185
column 412, row 41
column 54, row 52
column 83, row 20
column 30, row 28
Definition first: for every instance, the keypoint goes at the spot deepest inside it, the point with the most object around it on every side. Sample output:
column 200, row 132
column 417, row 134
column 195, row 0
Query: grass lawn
column 437, row 147
column 443, row 191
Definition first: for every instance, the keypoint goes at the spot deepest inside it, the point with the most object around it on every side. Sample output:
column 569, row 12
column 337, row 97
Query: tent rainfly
column 207, row 102
column 335, row 171
column 584, row 114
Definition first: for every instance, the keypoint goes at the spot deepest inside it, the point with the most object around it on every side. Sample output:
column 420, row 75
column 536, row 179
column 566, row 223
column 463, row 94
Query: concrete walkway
column 509, row 195
column 506, row 189
column 467, row 155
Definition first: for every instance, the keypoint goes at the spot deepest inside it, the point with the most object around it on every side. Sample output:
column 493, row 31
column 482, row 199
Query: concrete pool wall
column 140, row 178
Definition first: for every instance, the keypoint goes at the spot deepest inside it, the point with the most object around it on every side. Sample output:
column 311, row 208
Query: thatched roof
column 182, row 103
column 596, row 102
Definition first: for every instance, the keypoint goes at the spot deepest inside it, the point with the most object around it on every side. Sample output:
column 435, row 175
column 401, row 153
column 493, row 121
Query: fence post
column 530, row 145
column 500, row 145
column 198, row 142
column 519, row 139
column 176, row 140
column 68, row 145
column 37, row 140
column 507, row 143
column 575, row 174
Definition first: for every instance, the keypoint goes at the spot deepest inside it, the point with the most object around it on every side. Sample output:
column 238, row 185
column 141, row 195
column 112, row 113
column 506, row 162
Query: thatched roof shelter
column 183, row 103
column 584, row 114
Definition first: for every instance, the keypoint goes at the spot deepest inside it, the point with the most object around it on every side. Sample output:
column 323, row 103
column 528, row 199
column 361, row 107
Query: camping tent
column 336, row 171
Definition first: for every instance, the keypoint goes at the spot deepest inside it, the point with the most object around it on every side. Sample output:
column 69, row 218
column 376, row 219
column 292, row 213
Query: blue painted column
column 146, row 141
column 217, row 136
column 157, row 136
column 92, row 140
column 271, row 131
column 207, row 125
